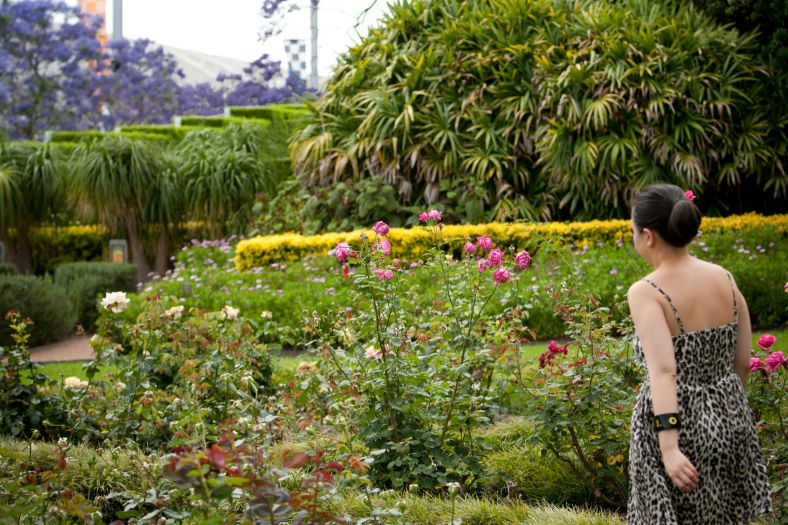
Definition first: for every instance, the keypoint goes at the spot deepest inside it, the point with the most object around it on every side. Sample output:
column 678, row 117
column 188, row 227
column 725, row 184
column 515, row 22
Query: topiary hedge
column 44, row 302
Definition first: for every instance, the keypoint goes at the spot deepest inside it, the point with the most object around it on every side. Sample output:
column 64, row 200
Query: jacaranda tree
column 50, row 62
column 543, row 109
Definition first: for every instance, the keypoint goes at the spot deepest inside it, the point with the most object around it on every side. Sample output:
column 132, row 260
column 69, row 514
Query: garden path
column 74, row 349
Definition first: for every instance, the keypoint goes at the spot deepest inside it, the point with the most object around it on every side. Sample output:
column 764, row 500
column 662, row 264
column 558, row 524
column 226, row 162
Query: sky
column 231, row 28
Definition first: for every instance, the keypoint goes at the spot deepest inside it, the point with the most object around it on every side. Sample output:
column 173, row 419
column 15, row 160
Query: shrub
column 578, row 404
column 271, row 112
column 8, row 269
column 39, row 299
column 84, row 282
column 411, row 243
column 546, row 109
column 415, row 379
column 28, row 403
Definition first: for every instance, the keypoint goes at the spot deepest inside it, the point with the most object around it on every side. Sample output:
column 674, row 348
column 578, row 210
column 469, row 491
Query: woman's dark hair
column 665, row 209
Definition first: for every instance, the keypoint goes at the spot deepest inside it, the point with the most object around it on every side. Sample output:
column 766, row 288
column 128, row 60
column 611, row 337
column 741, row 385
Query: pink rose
column 483, row 265
column 689, row 195
column 381, row 228
column 382, row 245
column 501, row 275
column 469, row 247
column 495, row 257
column 766, row 341
column 555, row 349
column 423, row 216
column 373, row 353
column 774, row 360
column 384, row 275
column 523, row 259
column 434, row 215
column 756, row 364
column 484, row 242
column 342, row 251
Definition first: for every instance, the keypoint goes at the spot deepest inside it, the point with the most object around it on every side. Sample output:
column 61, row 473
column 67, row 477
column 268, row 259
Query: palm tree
column 221, row 172
column 117, row 176
column 31, row 189
column 164, row 207
column 550, row 107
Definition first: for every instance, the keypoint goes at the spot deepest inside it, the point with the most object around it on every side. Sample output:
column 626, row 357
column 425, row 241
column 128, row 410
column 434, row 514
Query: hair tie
column 689, row 195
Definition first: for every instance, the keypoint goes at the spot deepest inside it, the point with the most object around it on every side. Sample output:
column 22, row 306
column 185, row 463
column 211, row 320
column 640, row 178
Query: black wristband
column 667, row 421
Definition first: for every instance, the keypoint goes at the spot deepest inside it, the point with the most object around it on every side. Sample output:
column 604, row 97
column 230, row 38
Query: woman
column 694, row 454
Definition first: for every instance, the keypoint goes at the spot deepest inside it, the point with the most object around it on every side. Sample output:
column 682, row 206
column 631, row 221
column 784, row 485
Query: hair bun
column 683, row 223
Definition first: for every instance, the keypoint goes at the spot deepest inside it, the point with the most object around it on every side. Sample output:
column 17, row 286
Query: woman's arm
column 741, row 363
column 654, row 335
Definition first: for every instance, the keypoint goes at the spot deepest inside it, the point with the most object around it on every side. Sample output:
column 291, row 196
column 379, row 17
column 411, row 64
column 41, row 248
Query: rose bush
column 766, row 393
column 413, row 379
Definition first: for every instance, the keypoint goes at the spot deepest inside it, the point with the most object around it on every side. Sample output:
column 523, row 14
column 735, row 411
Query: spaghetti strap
column 735, row 306
column 672, row 306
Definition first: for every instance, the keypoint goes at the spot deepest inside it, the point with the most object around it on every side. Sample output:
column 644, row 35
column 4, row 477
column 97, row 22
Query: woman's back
column 701, row 293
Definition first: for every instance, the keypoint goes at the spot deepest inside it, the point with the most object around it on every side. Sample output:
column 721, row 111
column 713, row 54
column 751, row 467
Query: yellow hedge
column 412, row 243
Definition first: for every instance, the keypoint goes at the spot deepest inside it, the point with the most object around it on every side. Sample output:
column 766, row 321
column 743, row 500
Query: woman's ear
column 651, row 237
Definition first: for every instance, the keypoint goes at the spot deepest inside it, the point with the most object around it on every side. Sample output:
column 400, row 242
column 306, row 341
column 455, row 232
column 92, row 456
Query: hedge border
column 412, row 243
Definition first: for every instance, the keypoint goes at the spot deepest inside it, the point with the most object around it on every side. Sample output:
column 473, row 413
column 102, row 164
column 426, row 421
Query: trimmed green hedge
column 85, row 282
column 270, row 112
column 38, row 298
column 167, row 131
column 78, row 136
column 8, row 269
column 221, row 122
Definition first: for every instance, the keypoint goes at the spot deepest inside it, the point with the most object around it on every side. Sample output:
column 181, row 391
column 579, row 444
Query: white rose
column 115, row 302
column 72, row 382
column 174, row 313
column 228, row 312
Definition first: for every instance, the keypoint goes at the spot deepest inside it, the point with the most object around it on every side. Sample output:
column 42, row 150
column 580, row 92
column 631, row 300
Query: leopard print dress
column 717, row 435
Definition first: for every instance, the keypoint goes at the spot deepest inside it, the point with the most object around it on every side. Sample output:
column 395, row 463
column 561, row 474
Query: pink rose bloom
column 381, row 228
column 384, row 275
column 373, row 353
column 342, row 251
column 469, row 247
column 756, row 364
column 495, row 257
column 555, row 349
column 689, row 195
column 483, row 264
column 484, row 242
column 774, row 360
column 423, row 216
column 434, row 215
column 766, row 341
column 523, row 259
column 382, row 245
column 501, row 275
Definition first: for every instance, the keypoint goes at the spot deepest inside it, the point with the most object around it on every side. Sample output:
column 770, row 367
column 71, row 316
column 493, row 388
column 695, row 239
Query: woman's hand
column 680, row 470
